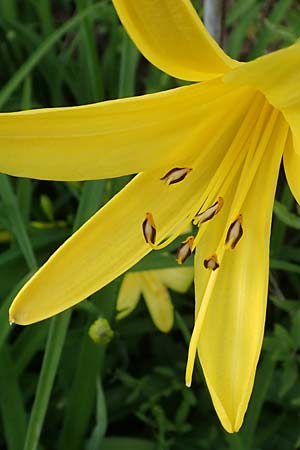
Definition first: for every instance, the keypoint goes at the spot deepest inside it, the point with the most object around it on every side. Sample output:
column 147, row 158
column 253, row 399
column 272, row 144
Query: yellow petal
column 104, row 247
column 158, row 301
column 170, row 34
column 291, row 161
column 276, row 75
column 231, row 337
column 112, row 240
column 178, row 279
column 107, row 139
column 129, row 294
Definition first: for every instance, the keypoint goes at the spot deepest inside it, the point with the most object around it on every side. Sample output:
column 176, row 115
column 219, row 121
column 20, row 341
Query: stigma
column 149, row 229
column 235, row 232
column 175, row 175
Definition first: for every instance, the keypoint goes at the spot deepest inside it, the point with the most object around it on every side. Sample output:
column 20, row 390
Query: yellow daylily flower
column 153, row 285
column 209, row 153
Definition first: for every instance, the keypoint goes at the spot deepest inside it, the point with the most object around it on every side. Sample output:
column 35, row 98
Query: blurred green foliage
column 128, row 394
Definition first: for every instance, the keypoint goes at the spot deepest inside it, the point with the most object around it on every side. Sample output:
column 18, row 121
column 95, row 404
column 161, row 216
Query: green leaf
column 289, row 376
column 284, row 265
column 16, row 220
column 129, row 60
column 56, row 337
column 286, row 305
column 11, row 402
column 123, row 443
column 262, row 384
column 46, row 45
column 4, row 324
column 82, row 394
column 285, row 216
column 101, row 421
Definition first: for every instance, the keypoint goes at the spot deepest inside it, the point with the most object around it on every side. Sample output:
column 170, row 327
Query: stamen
column 175, row 175
column 209, row 213
column 207, row 296
column 180, row 230
column 212, row 262
column 149, row 229
column 185, row 250
column 235, row 232
column 229, row 166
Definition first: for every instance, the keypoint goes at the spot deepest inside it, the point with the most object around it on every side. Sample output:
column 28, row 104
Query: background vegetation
column 129, row 393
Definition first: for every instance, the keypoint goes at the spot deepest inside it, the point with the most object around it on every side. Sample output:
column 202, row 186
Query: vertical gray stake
column 213, row 18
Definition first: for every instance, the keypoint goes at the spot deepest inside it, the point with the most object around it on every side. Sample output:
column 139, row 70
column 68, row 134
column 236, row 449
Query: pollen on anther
column 176, row 175
column 149, row 229
column 235, row 232
column 209, row 213
column 211, row 263
column 185, row 250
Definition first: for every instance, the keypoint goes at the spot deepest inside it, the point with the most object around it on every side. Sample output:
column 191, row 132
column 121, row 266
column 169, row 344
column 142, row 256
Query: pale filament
column 257, row 148
column 225, row 173
column 198, row 323
column 254, row 157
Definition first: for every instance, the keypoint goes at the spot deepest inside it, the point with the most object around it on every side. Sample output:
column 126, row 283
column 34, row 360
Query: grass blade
column 34, row 59
column 11, row 402
column 56, row 338
column 16, row 221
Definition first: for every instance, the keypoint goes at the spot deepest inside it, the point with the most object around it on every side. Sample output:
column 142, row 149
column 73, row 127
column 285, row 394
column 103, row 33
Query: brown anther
column 149, row 229
column 185, row 250
column 175, row 175
column 211, row 262
column 235, row 232
column 209, row 213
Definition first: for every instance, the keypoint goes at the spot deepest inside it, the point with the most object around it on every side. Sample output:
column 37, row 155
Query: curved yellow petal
column 106, row 139
column 158, row 301
column 291, row 161
column 178, row 279
column 129, row 295
column 276, row 75
column 112, row 240
column 170, row 34
column 231, row 336
column 105, row 246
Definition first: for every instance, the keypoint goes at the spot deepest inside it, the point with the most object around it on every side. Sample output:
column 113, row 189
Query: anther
column 149, row 229
column 175, row 175
column 185, row 250
column 211, row 262
column 235, row 232
column 209, row 213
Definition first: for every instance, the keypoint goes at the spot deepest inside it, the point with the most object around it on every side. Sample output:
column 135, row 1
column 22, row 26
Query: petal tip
column 17, row 317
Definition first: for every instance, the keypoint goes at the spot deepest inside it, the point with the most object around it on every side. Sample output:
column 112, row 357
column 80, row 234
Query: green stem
column 56, row 337
column 57, row 331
